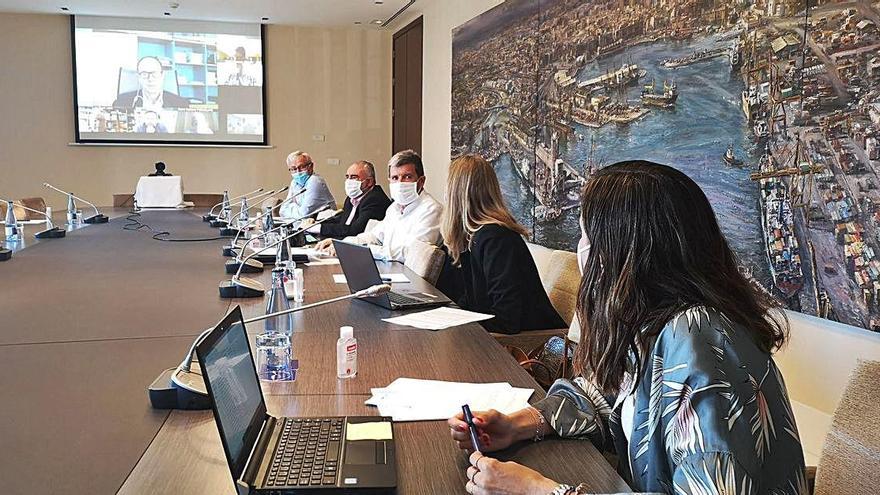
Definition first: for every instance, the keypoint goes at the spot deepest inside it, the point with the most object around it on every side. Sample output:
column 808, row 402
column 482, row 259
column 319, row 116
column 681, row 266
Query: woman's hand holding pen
column 496, row 430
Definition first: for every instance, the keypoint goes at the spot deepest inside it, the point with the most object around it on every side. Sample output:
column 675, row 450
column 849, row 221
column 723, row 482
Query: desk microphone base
column 250, row 266
column 229, row 232
column 232, row 290
column 218, row 224
column 53, row 233
column 5, row 254
column 229, row 251
column 165, row 394
column 99, row 218
column 209, row 218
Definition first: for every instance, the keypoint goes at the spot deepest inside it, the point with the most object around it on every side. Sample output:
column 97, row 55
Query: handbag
column 548, row 362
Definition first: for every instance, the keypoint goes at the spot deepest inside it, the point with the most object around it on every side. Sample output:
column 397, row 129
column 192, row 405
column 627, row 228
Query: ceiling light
column 167, row 13
column 378, row 2
column 65, row 9
column 377, row 22
column 265, row 18
column 358, row 23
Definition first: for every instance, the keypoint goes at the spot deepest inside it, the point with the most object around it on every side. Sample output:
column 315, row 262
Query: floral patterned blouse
column 711, row 415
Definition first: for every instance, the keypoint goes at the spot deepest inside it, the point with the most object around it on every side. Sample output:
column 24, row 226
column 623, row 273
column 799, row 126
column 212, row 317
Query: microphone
column 211, row 216
column 51, row 232
column 184, row 388
column 229, row 250
column 239, row 287
column 251, row 265
column 227, row 230
column 222, row 219
column 232, row 248
column 98, row 217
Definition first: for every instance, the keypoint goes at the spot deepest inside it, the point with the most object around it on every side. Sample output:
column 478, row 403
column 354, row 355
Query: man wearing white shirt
column 308, row 189
column 414, row 214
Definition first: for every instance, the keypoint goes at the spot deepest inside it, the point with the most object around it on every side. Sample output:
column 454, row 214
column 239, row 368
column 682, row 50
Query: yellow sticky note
column 377, row 430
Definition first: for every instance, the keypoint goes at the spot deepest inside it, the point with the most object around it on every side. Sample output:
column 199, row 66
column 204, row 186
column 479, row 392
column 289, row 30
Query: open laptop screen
column 232, row 382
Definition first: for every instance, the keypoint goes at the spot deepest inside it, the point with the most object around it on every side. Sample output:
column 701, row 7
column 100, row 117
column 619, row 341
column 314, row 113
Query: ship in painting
column 731, row 159
column 696, row 57
column 777, row 223
column 666, row 99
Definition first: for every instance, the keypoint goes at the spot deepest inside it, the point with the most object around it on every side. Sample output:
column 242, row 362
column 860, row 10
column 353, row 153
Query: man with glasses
column 150, row 93
column 308, row 189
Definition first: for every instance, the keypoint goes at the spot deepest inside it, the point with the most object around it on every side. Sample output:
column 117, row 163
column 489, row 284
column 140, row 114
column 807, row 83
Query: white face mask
column 404, row 193
column 583, row 251
column 353, row 188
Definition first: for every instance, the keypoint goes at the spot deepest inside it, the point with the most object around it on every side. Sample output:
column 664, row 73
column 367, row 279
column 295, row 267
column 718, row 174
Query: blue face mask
column 300, row 178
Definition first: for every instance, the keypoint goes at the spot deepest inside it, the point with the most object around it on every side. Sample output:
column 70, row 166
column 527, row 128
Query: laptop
column 269, row 455
column 361, row 272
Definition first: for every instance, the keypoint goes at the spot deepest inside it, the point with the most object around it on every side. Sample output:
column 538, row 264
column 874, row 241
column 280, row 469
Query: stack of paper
column 438, row 319
column 408, row 399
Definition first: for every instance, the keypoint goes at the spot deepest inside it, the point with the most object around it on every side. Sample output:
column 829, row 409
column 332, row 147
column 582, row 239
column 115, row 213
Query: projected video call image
column 168, row 81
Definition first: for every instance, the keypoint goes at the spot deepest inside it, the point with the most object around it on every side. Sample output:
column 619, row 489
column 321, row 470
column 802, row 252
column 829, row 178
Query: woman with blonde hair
column 486, row 243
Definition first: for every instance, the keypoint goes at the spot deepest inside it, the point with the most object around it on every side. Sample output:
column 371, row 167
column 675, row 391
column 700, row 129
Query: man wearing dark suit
column 150, row 92
column 365, row 201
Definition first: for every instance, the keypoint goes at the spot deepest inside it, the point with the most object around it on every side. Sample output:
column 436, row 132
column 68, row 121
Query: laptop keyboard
column 307, row 453
column 400, row 299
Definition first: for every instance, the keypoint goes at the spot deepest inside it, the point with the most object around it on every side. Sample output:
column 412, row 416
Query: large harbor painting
column 772, row 106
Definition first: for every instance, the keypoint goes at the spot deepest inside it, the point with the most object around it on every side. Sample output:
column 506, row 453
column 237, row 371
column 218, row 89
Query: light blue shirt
column 315, row 194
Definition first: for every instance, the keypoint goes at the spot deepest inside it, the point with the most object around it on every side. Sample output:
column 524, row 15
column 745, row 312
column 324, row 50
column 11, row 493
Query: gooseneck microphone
column 255, row 266
column 51, row 232
column 188, row 389
column 98, row 217
column 230, row 249
column 227, row 230
column 242, row 216
column 223, row 222
column 239, row 287
column 211, row 216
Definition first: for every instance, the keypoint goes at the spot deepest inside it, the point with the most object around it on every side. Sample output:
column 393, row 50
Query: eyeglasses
column 150, row 74
column 300, row 168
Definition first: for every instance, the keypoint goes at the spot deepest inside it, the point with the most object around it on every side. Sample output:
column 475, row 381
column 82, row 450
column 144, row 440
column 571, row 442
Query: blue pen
column 472, row 428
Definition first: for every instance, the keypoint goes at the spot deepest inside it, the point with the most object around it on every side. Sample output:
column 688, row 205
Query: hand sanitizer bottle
column 346, row 353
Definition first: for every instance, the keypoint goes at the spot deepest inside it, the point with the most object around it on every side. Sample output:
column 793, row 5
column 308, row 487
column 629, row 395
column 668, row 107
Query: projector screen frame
column 161, row 142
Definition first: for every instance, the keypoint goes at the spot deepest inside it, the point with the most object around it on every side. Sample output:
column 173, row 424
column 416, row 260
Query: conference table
column 87, row 322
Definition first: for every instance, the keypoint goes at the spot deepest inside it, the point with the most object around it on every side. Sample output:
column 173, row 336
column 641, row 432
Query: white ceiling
column 300, row 12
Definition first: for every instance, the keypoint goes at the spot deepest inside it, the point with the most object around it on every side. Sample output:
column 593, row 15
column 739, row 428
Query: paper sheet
column 408, row 399
column 375, row 430
column 323, row 262
column 394, row 278
column 438, row 319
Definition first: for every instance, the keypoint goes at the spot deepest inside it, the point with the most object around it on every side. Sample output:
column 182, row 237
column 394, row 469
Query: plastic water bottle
column 278, row 302
column 12, row 229
column 72, row 217
column 346, row 353
column 225, row 210
column 243, row 217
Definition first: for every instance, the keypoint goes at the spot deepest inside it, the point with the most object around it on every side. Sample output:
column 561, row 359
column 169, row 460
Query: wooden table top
column 90, row 320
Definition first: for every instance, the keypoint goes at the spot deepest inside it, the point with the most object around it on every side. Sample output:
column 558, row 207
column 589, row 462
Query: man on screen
column 151, row 92
column 150, row 123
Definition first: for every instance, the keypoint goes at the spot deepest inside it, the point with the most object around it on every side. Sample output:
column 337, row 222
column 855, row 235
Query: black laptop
column 361, row 272
column 269, row 455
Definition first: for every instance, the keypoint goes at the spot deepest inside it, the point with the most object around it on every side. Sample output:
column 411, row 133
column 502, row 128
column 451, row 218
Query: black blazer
column 500, row 277
column 372, row 206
